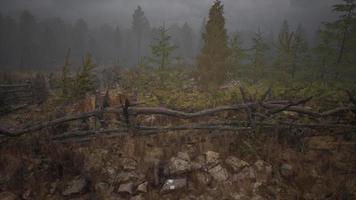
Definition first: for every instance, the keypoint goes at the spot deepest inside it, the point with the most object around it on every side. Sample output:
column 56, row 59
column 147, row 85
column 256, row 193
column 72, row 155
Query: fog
column 240, row 14
column 43, row 35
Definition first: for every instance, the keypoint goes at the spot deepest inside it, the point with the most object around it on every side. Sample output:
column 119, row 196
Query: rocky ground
column 180, row 165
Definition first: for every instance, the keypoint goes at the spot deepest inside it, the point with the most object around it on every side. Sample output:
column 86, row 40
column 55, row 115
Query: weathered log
column 278, row 110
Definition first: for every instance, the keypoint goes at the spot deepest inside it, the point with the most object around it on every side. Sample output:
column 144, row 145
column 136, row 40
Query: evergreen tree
column 258, row 57
column 299, row 49
column 140, row 27
column 162, row 48
column 187, row 40
column 84, row 82
column 213, row 59
column 285, row 57
column 66, row 81
column 237, row 55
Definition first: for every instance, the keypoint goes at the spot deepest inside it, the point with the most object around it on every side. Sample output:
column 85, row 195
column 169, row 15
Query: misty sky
column 240, row 14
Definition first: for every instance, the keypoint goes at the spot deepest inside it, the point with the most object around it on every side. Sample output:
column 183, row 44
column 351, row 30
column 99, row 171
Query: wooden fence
column 260, row 113
column 17, row 96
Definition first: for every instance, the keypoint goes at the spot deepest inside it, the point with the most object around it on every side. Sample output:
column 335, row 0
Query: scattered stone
column 184, row 156
column 178, row 166
column 129, row 176
column 143, row 187
column 235, row 163
column 26, row 194
column 137, row 197
column 257, row 197
column 53, row 187
column 174, row 184
column 203, row 178
column 212, row 157
column 126, row 188
column 238, row 196
column 103, row 188
column 246, row 173
column 264, row 170
column 286, row 170
column 76, row 186
column 219, row 173
column 7, row 196
column 128, row 164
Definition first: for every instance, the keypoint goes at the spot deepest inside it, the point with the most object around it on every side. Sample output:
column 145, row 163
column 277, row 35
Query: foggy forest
column 177, row 99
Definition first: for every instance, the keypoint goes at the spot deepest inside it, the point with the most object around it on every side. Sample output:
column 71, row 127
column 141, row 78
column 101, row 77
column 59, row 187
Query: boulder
column 203, row 178
column 178, row 166
column 76, row 186
column 235, row 163
column 7, row 196
column 184, row 156
column 128, row 163
column 137, row 197
column 247, row 173
column 219, row 173
column 212, row 157
column 143, row 187
column 174, row 184
column 126, row 188
column 286, row 170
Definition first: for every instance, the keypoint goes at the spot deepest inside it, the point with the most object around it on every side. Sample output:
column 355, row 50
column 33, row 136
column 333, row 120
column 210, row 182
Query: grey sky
column 240, row 14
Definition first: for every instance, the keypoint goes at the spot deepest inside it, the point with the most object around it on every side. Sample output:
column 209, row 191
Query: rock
column 286, row 170
column 184, row 156
column 142, row 187
column 257, row 197
column 203, row 178
column 178, row 166
column 53, row 187
column 219, row 173
column 126, row 188
column 26, row 194
column 128, row 176
column 76, row 186
column 212, row 157
column 238, row 196
column 235, row 163
column 174, row 184
column 103, row 188
column 128, row 163
column 247, row 173
column 137, row 197
column 264, row 170
column 7, row 196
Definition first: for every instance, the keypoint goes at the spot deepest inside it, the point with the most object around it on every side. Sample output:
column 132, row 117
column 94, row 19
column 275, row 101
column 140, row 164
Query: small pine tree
column 213, row 59
column 285, row 57
column 85, row 80
column 258, row 56
column 65, row 79
column 162, row 48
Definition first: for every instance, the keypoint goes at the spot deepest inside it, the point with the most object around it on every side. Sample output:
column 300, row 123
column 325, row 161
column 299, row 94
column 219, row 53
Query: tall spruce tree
column 140, row 26
column 213, row 59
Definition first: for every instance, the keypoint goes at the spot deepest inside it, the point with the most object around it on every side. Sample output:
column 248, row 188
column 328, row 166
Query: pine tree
column 162, row 48
column 299, row 49
column 66, row 81
column 85, row 80
column 258, row 57
column 213, row 59
column 140, row 25
column 285, row 50
column 237, row 55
